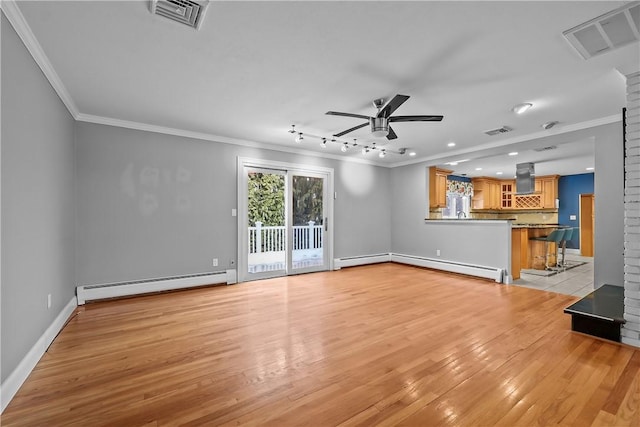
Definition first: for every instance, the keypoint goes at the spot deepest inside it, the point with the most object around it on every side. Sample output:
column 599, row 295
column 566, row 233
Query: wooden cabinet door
column 549, row 193
column 441, row 190
column 438, row 187
column 506, row 194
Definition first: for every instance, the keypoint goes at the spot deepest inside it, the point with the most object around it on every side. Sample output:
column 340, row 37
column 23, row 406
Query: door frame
column 287, row 167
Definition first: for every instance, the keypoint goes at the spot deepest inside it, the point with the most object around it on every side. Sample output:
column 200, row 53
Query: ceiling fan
column 380, row 122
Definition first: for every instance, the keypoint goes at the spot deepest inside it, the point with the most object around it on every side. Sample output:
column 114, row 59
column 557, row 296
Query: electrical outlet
column 215, row 262
column 437, row 252
column 49, row 301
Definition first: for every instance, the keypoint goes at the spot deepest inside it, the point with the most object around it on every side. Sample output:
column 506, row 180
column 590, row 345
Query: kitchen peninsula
column 490, row 243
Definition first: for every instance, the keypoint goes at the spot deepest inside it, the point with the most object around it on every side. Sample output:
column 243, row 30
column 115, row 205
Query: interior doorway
column 587, row 224
column 284, row 219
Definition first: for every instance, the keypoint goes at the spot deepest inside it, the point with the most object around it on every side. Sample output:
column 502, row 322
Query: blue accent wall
column 569, row 189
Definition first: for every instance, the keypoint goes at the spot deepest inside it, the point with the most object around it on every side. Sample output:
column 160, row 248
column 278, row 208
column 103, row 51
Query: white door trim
column 242, row 208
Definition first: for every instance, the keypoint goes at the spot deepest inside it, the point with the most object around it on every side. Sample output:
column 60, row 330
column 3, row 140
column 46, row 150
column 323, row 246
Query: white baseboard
column 339, row 263
column 454, row 267
column 138, row 287
column 14, row 381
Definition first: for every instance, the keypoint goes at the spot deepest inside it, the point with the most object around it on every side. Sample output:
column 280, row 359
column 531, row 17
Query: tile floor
column 577, row 281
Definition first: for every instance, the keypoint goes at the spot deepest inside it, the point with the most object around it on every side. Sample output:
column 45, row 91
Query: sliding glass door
column 284, row 216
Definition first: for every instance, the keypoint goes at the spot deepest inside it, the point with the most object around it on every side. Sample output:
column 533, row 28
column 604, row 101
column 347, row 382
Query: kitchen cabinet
column 492, row 194
column 544, row 196
column 487, row 193
column 549, row 190
column 507, row 188
column 438, row 187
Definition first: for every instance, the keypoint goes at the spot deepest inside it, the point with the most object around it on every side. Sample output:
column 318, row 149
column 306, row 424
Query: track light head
column 323, row 144
column 299, row 138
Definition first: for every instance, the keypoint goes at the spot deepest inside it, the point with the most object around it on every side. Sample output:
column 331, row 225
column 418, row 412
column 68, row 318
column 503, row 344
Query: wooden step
column 601, row 313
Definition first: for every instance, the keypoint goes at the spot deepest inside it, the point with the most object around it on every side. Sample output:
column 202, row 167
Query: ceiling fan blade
column 416, row 118
column 391, row 135
column 392, row 105
column 337, row 135
column 337, row 113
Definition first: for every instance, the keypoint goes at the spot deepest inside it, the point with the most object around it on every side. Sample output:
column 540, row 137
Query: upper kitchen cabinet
column 493, row 194
column 438, row 187
column 549, row 190
column 487, row 193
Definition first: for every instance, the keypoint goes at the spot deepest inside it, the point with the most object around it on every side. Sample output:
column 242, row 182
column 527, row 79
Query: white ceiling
column 255, row 68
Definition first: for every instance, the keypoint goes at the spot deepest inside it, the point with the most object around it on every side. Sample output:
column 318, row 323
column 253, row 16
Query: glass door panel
column 308, row 223
column 266, row 223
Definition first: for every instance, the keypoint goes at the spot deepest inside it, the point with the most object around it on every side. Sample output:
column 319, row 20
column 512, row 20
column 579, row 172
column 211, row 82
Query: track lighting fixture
column 345, row 146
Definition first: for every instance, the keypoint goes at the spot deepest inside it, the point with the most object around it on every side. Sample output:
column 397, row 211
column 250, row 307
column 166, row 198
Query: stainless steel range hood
column 525, row 178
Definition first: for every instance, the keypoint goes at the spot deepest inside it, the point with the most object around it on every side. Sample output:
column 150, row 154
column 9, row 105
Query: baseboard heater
column 353, row 261
column 137, row 287
column 454, row 267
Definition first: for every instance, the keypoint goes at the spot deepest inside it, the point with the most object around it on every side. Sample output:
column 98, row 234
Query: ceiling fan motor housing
column 379, row 126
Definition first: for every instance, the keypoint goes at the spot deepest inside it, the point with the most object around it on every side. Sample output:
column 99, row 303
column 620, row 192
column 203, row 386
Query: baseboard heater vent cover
column 137, row 287
column 454, row 267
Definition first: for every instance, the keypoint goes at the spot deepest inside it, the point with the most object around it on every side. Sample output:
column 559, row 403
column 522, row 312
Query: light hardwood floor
column 378, row 345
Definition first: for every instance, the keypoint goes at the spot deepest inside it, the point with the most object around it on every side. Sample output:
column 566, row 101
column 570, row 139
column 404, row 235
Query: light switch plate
column 572, row 218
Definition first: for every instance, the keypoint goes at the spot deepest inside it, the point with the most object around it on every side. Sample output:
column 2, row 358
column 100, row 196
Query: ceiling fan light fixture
column 379, row 126
column 522, row 108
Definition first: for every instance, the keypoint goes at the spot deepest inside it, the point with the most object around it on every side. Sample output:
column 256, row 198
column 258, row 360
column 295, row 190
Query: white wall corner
column 14, row 381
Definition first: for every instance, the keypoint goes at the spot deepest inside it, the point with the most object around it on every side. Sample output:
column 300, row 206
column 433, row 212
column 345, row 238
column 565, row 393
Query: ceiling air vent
column 503, row 129
column 187, row 12
column 606, row 32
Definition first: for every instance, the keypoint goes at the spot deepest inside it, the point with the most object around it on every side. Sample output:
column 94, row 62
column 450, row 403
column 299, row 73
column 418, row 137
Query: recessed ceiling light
column 412, row 153
column 521, row 108
column 451, row 144
column 513, row 153
column 589, row 169
column 498, row 173
column 478, row 169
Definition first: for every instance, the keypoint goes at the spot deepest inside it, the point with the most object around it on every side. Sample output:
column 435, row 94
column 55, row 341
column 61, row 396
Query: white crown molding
column 89, row 118
column 517, row 139
column 15, row 17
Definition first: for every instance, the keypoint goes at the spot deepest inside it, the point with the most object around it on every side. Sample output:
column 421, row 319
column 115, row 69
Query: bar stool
column 554, row 237
column 568, row 234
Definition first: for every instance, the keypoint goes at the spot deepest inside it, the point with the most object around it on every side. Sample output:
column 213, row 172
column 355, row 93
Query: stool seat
column 556, row 237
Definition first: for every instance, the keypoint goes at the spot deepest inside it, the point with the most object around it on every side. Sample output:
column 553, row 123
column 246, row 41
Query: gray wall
column 153, row 205
column 37, row 202
column 609, row 205
column 467, row 242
